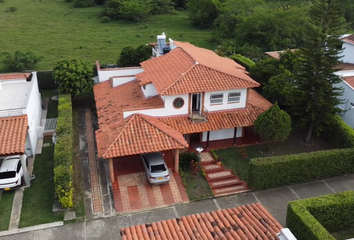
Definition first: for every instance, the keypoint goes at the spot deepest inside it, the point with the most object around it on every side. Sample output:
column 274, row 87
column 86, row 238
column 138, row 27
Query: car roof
column 154, row 158
column 9, row 163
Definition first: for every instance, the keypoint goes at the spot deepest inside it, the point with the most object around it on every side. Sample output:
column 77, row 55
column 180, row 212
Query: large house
column 20, row 114
column 184, row 96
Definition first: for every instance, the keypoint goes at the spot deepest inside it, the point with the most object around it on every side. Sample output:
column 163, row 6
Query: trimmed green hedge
column 63, row 153
column 46, row 80
column 339, row 134
column 212, row 151
column 314, row 218
column 244, row 61
column 283, row 170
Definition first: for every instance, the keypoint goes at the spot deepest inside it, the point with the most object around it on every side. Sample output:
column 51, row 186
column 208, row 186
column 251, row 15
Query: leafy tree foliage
column 316, row 97
column 203, row 12
column 83, row 3
column 273, row 125
column 130, row 57
column 19, row 61
column 73, row 76
column 162, row 7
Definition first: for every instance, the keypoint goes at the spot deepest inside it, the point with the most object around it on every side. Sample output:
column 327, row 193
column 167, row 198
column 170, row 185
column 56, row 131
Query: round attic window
column 178, row 102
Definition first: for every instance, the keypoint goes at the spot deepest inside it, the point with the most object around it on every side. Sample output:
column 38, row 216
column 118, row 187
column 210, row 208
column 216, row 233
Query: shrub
column 314, row 218
column 83, row 3
column 339, row 134
column 63, row 153
column 185, row 160
column 215, row 156
column 11, row 9
column 105, row 19
column 46, row 80
column 283, row 170
column 244, row 61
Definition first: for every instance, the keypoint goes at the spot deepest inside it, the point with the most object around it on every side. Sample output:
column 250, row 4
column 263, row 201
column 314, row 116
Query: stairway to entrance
column 221, row 181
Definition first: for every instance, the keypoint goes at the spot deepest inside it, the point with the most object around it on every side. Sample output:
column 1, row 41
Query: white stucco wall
column 222, row 134
column 116, row 81
column 348, row 53
column 168, row 109
column 225, row 105
column 34, row 112
column 149, row 90
column 106, row 74
column 347, row 97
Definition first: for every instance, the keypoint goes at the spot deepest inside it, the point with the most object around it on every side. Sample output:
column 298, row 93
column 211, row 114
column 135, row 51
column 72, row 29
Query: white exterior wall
column 34, row 113
column 106, row 74
column 222, row 134
column 347, row 97
column 168, row 110
column 225, row 105
column 149, row 90
column 348, row 53
column 121, row 80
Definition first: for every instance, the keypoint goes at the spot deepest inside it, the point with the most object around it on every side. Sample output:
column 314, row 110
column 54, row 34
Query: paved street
column 275, row 200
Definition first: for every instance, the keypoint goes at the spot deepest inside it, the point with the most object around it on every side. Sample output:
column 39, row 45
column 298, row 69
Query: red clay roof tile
column 13, row 132
column 137, row 134
column 189, row 69
column 13, row 76
column 349, row 80
column 243, row 222
column 349, row 39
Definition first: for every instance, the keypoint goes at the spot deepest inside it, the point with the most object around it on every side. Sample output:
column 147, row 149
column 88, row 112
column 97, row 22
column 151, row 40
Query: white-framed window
column 216, row 98
column 234, row 97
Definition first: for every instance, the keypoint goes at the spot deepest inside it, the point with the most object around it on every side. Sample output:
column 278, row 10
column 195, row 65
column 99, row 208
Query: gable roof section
column 349, row 80
column 243, row 222
column 190, row 69
column 138, row 134
column 13, row 132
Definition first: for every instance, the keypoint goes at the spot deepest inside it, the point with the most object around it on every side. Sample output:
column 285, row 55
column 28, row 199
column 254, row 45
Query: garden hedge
column 314, row 218
column 46, row 80
column 63, row 153
column 276, row 171
column 339, row 134
column 242, row 60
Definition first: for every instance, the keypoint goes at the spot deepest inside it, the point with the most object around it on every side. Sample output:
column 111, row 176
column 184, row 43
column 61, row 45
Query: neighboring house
column 184, row 96
column 20, row 114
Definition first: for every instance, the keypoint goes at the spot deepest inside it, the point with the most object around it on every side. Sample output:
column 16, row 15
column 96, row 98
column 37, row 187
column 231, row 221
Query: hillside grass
column 54, row 29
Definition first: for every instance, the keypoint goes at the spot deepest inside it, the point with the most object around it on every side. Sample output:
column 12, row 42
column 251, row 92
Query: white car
column 11, row 172
column 155, row 168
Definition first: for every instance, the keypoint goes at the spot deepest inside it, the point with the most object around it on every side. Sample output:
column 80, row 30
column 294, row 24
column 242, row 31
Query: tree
column 130, row 57
column 133, row 10
column 19, row 61
column 273, row 125
column 203, row 13
column 73, row 76
column 83, row 3
column 316, row 97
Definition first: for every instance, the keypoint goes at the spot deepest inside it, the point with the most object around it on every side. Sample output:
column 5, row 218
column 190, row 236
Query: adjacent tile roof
column 13, row 132
column 349, row 39
column 137, row 134
column 112, row 101
column 13, row 76
column 345, row 66
column 276, row 54
column 243, row 222
column 190, row 69
column 256, row 100
column 349, row 80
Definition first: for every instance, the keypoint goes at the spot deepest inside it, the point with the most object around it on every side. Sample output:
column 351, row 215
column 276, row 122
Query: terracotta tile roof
column 345, row 66
column 112, row 101
column 243, row 222
column 137, row 134
column 256, row 100
column 215, row 120
column 13, row 76
column 349, row 39
column 276, row 54
column 13, row 132
column 189, row 69
column 349, row 80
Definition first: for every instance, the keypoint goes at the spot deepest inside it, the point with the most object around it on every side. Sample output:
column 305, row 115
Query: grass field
column 54, row 29
column 6, row 200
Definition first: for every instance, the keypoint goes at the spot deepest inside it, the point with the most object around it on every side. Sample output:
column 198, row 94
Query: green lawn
column 38, row 199
column 345, row 234
column 231, row 158
column 6, row 200
column 54, row 29
column 196, row 186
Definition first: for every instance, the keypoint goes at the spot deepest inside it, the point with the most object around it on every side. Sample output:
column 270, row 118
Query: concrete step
column 227, row 190
column 205, row 157
column 232, row 181
column 211, row 167
column 217, row 175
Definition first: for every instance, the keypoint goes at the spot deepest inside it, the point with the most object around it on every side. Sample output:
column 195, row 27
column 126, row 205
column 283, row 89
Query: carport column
column 176, row 160
column 111, row 170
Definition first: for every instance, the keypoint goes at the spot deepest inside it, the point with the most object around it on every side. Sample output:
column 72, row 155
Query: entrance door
column 194, row 138
column 196, row 102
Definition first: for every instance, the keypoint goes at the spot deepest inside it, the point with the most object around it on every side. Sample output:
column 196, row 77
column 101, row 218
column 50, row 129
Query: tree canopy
column 19, row 61
column 132, row 57
column 73, row 76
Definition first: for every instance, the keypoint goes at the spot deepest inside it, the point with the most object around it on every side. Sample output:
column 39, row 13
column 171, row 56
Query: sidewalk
column 275, row 200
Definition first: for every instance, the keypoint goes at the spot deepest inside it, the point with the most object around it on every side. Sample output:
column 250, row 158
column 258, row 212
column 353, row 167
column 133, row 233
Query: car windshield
column 10, row 174
column 158, row 168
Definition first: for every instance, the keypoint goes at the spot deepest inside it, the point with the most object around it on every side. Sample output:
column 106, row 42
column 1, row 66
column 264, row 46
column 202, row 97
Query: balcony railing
column 197, row 117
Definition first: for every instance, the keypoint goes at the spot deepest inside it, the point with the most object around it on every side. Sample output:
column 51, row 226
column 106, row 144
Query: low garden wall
column 315, row 218
column 63, row 152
